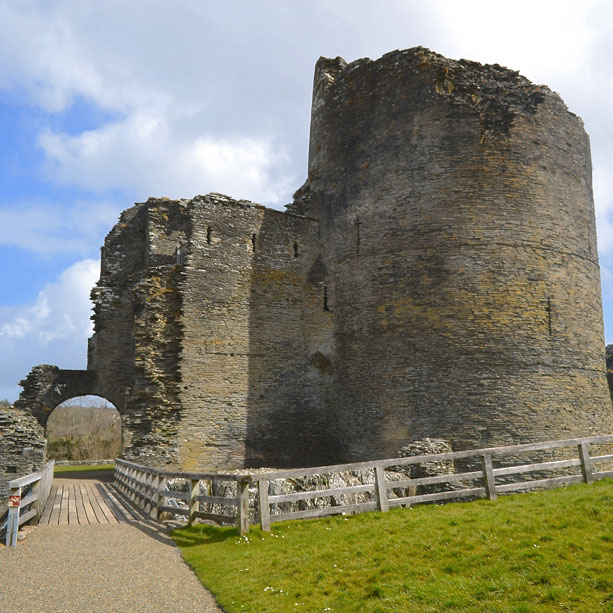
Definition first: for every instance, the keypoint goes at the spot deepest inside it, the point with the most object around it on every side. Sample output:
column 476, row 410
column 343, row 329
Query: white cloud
column 53, row 51
column 607, row 280
column 53, row 330
column 145, row 154
column 540, row 38
column 603, row 199
column 61, row 310
column 51, row 228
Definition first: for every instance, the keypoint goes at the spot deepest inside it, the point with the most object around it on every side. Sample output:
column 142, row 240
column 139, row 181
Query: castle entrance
column 84, row 428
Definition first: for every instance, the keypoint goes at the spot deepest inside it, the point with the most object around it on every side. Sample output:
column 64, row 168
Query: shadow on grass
column 202, row 535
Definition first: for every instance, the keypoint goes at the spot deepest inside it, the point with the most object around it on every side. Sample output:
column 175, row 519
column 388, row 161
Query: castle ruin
column 436, row 276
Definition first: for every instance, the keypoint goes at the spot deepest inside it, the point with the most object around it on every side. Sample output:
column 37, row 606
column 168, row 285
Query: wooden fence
column 27, row 498
column 147, row 487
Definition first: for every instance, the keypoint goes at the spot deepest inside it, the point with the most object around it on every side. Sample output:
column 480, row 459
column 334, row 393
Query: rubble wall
column 137, row 327
column 123, row 259
column 46, row 386
column 22, row 448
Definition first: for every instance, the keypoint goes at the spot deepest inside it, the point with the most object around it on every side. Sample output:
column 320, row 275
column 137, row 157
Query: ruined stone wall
column 253, row 383
column 457, row 221
column 123, row 259
column 152, row 403
column 46, row 386
column 138, row 334
column 22, row 448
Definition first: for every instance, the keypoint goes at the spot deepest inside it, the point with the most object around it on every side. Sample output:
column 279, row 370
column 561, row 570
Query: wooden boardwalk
column 88, row 502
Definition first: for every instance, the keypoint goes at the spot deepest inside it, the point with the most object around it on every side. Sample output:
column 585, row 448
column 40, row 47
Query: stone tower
column 457, row 222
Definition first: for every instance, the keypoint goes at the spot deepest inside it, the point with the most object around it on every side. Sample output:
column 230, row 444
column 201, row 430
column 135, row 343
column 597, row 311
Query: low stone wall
column 334, row 480
column 110, row 462
column 23, row 448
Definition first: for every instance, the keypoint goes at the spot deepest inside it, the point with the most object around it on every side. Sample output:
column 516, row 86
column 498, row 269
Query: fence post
column 242, row 503
column 12, row 526
column 155, row 495
column 38, row 488
column 586, row 462
column 192, row 503
column 132, row 485
column 160, row 497
column 488, row 477
column 141, row 488
column 263, row 504
column 381, row 488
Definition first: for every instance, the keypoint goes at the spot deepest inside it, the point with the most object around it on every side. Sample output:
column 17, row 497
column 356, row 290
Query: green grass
column 84, row 468
column 544, row 551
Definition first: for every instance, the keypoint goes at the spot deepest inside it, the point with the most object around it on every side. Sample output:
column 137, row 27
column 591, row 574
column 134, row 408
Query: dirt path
column 122, row 567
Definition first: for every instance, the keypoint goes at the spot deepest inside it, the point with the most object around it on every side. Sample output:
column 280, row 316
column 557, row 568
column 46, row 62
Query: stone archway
column 46, row 386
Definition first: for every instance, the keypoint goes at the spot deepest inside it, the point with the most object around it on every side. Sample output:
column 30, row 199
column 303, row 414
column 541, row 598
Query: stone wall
column 46, row 386
column 253, row 320
column 22, row 448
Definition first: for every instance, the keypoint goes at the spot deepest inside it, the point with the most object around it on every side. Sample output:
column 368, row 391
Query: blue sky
column 105, row 104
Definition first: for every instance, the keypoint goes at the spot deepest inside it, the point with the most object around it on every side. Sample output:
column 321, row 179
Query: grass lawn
column 85, row 468
column 543, row 551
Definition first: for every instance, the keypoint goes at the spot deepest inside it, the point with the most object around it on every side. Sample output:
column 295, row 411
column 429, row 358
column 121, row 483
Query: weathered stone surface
column 457, row 226
column 436, row 276
column 46, row 386
column 428, row 469
column 22, row 448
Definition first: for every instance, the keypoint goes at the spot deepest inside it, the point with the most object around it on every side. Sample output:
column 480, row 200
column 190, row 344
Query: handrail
column 146, row 486
column 36, row 496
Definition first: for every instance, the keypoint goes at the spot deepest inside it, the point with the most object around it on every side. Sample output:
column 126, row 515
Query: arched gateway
column 47, row 386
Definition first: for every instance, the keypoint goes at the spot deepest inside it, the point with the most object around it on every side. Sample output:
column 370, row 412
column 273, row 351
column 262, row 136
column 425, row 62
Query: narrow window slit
column 358, row 223
column 548, row 309
column 253, row 238
column 326, row 307
column 209, row 234
column 295, row 250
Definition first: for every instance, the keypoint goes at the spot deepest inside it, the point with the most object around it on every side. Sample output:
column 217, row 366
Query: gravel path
column 96, row 568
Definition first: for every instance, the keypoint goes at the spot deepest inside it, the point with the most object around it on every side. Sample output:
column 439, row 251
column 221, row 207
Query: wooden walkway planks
column 88, row 503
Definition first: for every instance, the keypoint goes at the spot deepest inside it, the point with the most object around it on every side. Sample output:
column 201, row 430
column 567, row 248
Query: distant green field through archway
column 84, row 428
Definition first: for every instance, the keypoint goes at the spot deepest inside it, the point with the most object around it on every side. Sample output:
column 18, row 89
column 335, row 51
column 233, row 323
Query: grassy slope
column 545, row 551
column 80, row 469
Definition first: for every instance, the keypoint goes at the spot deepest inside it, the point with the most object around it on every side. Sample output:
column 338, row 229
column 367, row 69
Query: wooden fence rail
column 149, row 487
column 27, row 498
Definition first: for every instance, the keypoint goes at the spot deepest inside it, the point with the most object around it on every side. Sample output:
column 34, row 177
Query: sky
column 106, row 103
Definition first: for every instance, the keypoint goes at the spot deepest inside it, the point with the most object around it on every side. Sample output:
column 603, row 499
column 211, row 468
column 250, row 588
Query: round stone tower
column 458, row 232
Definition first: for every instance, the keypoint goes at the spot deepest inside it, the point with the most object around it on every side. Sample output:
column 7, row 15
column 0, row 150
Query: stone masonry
column 435, row 277
column 22, row 448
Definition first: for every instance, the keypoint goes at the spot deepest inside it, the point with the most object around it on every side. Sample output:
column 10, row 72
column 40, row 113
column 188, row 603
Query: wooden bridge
column 87, row 502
